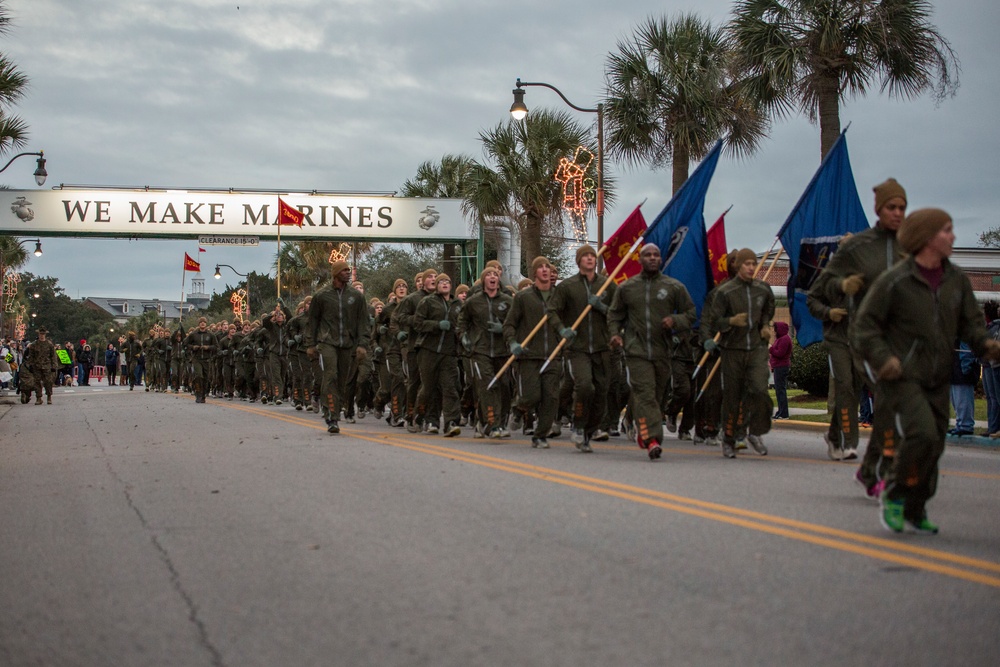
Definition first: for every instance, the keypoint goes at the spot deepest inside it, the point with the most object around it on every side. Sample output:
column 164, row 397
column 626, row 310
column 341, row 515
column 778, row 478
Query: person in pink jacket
column 780, row 361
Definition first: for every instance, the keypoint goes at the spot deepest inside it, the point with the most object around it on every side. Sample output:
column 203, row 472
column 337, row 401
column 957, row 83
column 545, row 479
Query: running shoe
column 757, row 444
column 890, row 514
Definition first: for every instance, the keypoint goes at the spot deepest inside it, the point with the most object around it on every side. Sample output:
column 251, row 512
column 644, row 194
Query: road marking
column 910, row 555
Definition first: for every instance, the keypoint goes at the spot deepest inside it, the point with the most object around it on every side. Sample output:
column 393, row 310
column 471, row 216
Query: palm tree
column 447, row 179
column 13, row 84
column 814, row 53
column 305, row 265
column 521, row 185
column 672, row 92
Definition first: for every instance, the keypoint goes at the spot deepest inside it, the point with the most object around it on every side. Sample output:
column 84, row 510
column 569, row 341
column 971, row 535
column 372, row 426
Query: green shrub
column 810, row 369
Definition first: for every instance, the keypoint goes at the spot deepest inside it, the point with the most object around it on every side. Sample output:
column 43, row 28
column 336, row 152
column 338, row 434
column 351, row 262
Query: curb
column 978, row 441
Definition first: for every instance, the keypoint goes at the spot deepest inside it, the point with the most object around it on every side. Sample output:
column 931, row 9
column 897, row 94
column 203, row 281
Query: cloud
column 354, row 95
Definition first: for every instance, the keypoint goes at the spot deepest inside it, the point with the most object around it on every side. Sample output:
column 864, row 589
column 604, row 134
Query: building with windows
column 982, row 265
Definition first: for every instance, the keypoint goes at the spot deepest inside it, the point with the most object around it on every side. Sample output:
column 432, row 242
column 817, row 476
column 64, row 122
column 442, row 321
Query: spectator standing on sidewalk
column 965, row 372
column 111, row 363
column 780, row 361
column 85, row 362
column 991, row 372
column 68, row 370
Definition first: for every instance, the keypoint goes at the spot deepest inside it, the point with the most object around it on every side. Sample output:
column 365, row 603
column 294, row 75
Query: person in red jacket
column 780, row 361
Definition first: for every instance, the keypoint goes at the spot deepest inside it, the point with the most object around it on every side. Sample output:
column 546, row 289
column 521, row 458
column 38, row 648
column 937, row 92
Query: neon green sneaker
column 923, row 526
column 891, row 514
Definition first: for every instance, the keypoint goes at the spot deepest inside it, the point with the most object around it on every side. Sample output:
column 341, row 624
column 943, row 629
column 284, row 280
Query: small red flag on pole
column 619, row 243
column 717, row 252
column 190, row 264
column 289, row 215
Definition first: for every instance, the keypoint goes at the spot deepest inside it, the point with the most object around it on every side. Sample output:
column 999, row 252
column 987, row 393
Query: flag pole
column 180, row 307
column 718, row 335
column 711, row 375
column 773, row 264
column 659, row 218
column 588, row 307
column 277, row 277
column 183, row 282
column 545, row 318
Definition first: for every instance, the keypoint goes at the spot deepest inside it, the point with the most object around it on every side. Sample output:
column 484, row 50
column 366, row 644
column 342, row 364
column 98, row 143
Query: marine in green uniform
column 200, row 345
column 648, row 312
column 337, row 334
column 587, row 353
column 906, row 330
column 742, row 310
column 834, row 300
column 537, row 391
column 481, row 328
column 436, row 324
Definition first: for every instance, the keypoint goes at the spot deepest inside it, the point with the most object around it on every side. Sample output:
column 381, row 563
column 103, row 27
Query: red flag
column 200, row 249
column 190, row 264
column 289, row 215
column 619, row 243
column 717, row 253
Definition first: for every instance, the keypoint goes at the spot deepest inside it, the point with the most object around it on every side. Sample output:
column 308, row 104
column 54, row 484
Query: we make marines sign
column 141, row 213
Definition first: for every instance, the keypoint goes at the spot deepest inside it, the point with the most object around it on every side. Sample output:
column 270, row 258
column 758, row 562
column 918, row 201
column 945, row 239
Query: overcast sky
column 303, row 95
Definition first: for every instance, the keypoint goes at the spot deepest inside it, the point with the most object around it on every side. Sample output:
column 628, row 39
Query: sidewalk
column 965, row 440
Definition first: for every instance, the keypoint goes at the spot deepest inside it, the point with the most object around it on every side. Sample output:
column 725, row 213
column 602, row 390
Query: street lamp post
column 40, row 176
column 40, row 173
column 218, row 276
column 38, row 246
column 518, row 110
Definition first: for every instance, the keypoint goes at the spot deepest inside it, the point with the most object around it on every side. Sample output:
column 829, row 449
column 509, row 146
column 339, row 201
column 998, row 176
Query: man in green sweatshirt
column 742, row 310
column 906, row 330
column 538, row 392
column 587, row 354
column 649, row 311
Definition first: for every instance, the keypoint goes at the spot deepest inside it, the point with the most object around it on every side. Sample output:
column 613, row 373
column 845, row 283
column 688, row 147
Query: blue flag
column 679, row 232
column 828, row 209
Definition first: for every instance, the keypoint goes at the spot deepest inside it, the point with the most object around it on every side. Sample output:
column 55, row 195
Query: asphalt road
column 144, row 529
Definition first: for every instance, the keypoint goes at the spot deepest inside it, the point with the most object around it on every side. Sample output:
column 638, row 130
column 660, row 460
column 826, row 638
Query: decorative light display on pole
column 519, row 111
column 577, row 190
column 10, row 281
column 241, row 305
column 340, row 254
column 20, row 328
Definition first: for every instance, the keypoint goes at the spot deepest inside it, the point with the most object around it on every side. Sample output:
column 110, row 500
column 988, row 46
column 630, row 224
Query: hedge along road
column 145, row 529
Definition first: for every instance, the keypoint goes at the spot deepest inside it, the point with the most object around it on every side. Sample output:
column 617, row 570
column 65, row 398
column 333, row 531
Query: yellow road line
column 833, row 538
